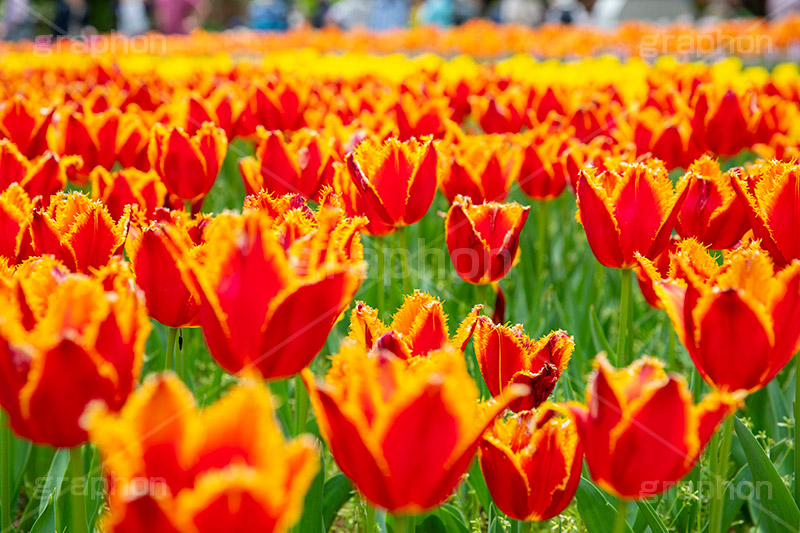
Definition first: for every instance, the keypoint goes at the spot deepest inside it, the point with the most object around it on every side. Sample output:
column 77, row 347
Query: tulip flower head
column 770, row 204
column 483, row 239
column 396, row 181
column 377, row 413
column 172, row 298
column 77, row 231
column 481, row 168
column 301, row 165
column 43, row 175
column 25, row 122
column 627, row 210
column 531, row 462
column 641, row 431
column 737, row 320
column 67, row 340
column 418, row 327
column 174, row 468
column 187, row 165
column 271, row 290
column 711, row 212
column 15, row 215
column 506, row 355
column 128, row 187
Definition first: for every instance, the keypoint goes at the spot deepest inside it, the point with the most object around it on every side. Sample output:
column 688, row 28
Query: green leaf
column 54, row 478
column 20, row 455
column 598, row 336
column 778, row 504
column 478, row 484
column 653, row 520
column 453, row 519
column 595, row 510
column 312, row 519
column 46, row 523
column 338, row 491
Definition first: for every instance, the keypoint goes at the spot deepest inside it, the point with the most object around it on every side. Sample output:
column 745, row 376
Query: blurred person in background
column 388, row 14
column 780, row 8
column 132, row 17
column 268, row 15
column 179, row 16
column 524, row 12
column 71, row 16
column 435, row 13
column 17, row 23
column 348, row 14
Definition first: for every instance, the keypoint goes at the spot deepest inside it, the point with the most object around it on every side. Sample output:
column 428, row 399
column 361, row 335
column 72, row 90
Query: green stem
column 369, row 518
column 624, row 308
column 5, row 473
column 381, row 285
column 542, row 246
column 719, row 480
column 796, row 418
column 77, row 497
column 404, row 259
column 404, row 524
column 300, row 405
column 621, row 523
column 170, row 359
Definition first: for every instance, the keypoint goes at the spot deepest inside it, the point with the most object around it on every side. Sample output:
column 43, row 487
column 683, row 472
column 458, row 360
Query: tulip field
column 485, row 279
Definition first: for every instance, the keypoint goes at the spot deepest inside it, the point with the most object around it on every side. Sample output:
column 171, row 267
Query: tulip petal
column 599, row 223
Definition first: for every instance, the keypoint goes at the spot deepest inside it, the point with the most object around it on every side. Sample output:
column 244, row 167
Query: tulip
column 25, row 122
column 726, row 127
column 271, row 291
column 396, row 180
column 506, row 355
column 532, row 464
column 481, row 168
column 419, row 327
column 377, row 413
column 92, row 136
column 640, row 430
column 300, row 166
column 188, row 166
column 171, row 296
column 483, row 240
column 77, row 231
column 421, row 116
column 737, row 320
column 627, row 210
column 67, row 340
column 133, row 138
column 770, row 204
column 43, row 175
column 646, row 277
column 174, row 468
column 15, row 215
column 543, row 172
column 711, row 212
column 280, row 107
column 128, row 187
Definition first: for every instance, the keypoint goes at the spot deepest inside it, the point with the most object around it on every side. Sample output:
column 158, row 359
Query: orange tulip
column 378, row 413
column 299, row 166
column 483, row 240
column 770, row 205
column 25, row 122
column 532, row 464
column 419, row 327
column 170, row 295
column 42, row 176
column 128, row 187
column 738, row 320
column 626, row 210
column 396, row 180
column 15, row 217
column 176, row 469
column 67, row 340
column 188, row 166
column 506, row 355
column 711, row 212
column 271, row 290
column 481, row 168
column 640, row 430
column 92, row 136
column 77, row 231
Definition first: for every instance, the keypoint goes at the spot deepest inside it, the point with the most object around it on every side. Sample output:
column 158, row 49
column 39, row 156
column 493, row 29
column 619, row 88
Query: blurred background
column 24, row 19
